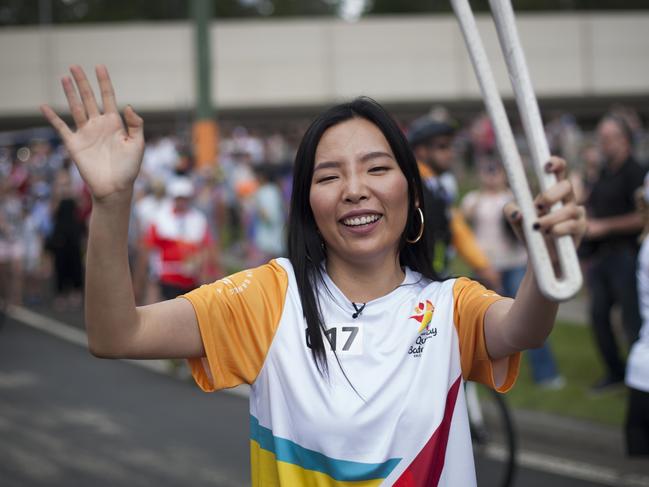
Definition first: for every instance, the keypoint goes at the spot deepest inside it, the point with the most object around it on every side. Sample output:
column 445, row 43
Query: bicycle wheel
column 492, row 435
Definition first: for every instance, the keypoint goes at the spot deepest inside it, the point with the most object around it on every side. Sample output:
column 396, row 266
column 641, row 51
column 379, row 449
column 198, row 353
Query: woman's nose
column 355, row 189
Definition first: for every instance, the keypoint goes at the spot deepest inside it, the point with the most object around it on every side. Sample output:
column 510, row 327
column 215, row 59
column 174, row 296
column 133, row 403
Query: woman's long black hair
column 305, row 247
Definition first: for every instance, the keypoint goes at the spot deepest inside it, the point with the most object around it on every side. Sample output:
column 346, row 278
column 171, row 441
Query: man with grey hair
column 613, row 230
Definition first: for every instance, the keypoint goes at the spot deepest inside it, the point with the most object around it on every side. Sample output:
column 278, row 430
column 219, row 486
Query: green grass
column 575, row 353
column 579, row 364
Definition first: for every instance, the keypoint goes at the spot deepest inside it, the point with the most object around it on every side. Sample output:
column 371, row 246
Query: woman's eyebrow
column 326, row 165
column 375, row 155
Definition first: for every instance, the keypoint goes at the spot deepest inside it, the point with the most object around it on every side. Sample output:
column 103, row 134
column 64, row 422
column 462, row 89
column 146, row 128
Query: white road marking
column 49, row 325
column 78, row 337
column 571, row 468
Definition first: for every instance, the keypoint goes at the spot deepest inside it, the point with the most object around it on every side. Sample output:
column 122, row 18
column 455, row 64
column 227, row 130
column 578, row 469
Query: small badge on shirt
column 343, row 338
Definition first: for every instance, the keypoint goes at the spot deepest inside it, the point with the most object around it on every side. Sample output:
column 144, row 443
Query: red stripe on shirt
column 426, row 468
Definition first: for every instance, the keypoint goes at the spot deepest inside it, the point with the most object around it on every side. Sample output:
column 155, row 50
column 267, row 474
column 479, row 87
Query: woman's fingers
column 85, row 90
column 106, row 89
column 77, row 110
column 562, row 191
column 567, row 212
column 568, row 220
column 576, row 227
column 568, row 227
column 56, row 122
column 558, row 166
column 134, row 123
column 515, row 219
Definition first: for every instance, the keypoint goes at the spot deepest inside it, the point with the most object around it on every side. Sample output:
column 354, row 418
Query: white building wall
column 307, row 62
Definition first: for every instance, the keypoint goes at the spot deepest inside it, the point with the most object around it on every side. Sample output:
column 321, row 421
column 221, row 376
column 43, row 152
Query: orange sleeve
column 470, row 303
column 465, row 242
column 237, row 317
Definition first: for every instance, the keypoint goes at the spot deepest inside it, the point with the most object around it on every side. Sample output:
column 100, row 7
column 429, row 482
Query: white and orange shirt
column 404, row 421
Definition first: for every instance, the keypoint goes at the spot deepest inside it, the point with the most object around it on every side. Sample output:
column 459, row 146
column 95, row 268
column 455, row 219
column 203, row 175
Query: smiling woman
column 354, row 351
column 353, row 206
column 360, row 203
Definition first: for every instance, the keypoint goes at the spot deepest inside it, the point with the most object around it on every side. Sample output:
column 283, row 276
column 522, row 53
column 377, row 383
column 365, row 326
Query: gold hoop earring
column 421, row 228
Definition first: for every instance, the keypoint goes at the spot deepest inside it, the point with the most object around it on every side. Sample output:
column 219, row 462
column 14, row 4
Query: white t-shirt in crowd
column 269, row 226
column 486, row 210
column 637, row 369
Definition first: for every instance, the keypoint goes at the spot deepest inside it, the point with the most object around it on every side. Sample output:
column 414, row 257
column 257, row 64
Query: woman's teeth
column 360, row 220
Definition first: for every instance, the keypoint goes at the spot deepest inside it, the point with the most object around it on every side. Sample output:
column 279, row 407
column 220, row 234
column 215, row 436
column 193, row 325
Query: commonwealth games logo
column 424, row 314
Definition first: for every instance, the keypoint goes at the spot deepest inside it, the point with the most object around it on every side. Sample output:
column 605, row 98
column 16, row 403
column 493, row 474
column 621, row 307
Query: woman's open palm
column 107, row 154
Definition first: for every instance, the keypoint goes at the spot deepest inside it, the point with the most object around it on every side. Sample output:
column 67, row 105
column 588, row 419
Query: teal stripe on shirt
column 341, row 470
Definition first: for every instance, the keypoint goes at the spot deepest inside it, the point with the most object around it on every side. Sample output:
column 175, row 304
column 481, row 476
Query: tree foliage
column 22, row 12
column 29, row 12
column 434, row 6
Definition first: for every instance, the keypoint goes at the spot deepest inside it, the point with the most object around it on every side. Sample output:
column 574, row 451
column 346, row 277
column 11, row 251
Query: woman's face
column 492, row 176
column 358, row 195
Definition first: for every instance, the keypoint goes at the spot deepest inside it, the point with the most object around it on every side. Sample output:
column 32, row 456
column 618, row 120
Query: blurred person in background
column 587, row 174
column 637, row 368
column 160, row 157
column 432, row 144
column 583, row 178
column 245, row 184
column 36, row 229
column 564, row 136
column 241, row 183
column 639, row 137
column 18, row 177
column 612, row 235
column 230, row 212
column 65, row 243
column 40, row 160
column 243, row 141
column 482, row 140
column 12, row 250
column 180, row 233
column 184, row 165
column 276, row 149
column 6, row 162
column 68, row 180
column 209, row 198
column 483, row 208
column 270, row 216
column 147, row 259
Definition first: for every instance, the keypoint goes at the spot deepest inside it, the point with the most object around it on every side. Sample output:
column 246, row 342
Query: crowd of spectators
column 243, row 198
column 194, row 224
column 44, row 212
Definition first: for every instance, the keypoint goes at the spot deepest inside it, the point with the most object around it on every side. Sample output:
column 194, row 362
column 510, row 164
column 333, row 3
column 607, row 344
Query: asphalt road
column 68, row 419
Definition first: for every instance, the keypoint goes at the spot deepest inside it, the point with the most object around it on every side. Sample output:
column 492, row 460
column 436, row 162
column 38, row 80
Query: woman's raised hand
column 570, row 219
column 107, row 153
